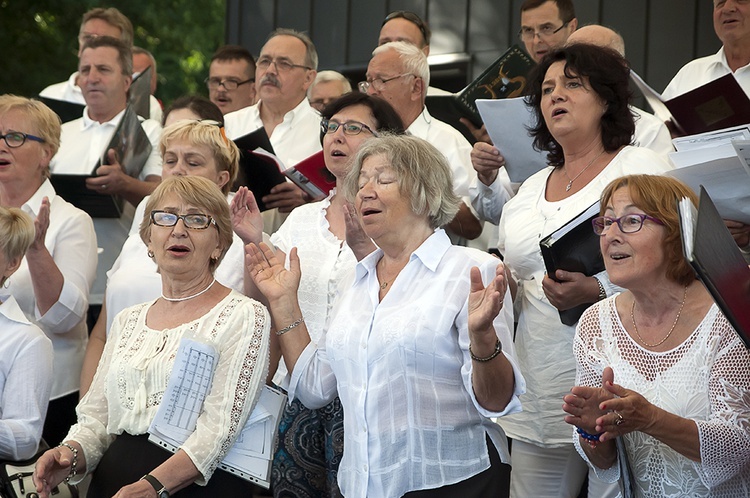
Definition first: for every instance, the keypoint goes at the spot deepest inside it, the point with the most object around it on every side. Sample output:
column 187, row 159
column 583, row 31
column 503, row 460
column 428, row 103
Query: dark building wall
column 660, row 35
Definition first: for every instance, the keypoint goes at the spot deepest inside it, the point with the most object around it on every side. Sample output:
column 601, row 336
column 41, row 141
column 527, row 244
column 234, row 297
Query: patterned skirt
column 311, row 443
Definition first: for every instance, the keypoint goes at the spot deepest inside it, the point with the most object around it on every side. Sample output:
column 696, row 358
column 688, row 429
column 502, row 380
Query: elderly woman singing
column 419, row 346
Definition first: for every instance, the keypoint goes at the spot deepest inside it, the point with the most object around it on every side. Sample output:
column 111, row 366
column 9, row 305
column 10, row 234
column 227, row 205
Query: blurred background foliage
column 40, row 41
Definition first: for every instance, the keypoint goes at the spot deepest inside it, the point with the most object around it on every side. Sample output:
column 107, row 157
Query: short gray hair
column 326, row 76
column 311, row 55
column 414, row 60
column 423, row 174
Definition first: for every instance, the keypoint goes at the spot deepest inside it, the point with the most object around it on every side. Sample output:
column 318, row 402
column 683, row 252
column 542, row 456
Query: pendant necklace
column 565, row 170
column 632, row 318
column 178, row 299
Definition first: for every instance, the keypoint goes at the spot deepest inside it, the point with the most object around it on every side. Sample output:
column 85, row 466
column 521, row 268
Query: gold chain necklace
column 632, row 318
column 565, row 170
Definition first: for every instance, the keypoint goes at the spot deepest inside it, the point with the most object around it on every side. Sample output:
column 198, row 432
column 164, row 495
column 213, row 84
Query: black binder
column 132, row 147
column 139, row 95
column 715, row 257
column 574, row 247
column 68, row 111
column 257, row 172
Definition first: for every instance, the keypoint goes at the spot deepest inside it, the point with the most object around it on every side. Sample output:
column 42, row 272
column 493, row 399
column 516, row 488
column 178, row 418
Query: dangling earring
column 151, row 254
column 6, row 283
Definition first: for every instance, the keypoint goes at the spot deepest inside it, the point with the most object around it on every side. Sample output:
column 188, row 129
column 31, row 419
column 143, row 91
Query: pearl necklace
column 565, row 170
column 178, row 299
column 632, row 318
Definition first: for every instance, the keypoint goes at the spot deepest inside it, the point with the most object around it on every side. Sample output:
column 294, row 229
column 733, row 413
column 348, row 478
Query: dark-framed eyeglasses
column 378, row 83
column 228, row 84
column 630, row 223
column 349, row 127
column 194, row 221
column 546, row 31
column 413, row 18
column 282, row 65
column 14, row 139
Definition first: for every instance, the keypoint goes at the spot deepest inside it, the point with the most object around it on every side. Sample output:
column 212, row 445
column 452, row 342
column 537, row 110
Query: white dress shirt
column 453, row 145
column 698, row 72
column 70, row 92
column 544, row 344
column 651, row 133
column 135, row 367
column 404, row 375
column 71, row 241
column 82, row 144
column 133, row 277
column 296, row 138
column 26, row 360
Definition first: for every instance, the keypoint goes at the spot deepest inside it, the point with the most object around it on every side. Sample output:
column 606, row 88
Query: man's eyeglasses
column 546, row 31
column 378, row 83
column 349, row 127
column 228, row 84
column 413, row 18
column 15, row 139
column 630, row 223
column 282, row 65
column 194, row 221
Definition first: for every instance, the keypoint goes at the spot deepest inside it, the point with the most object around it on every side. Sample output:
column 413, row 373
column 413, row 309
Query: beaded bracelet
column 592, row 439
column 289, row 327
column 72, row 472
column 497, row 351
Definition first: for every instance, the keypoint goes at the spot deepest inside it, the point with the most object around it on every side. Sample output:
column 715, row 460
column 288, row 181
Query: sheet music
column 189, row 384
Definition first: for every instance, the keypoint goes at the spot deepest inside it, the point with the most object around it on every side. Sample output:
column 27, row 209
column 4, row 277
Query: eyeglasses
column 528, row 34
column 16, row 139
column 411, row 17
column 630, row 223
column 194, row 221
column 378, row 83
column 282, row 65
column 349, row 127
column 229, row 84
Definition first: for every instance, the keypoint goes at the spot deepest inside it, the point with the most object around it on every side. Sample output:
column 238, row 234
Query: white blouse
column 544, row 344
column 705, row 379
column 134, row 370
column 325, row 261
column 25, row 382
column 71, row 242
column 404, row 375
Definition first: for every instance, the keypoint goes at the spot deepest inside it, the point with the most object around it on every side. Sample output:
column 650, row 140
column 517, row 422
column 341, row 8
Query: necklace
column 632, row 317
column 178, row 299
column 565, row 170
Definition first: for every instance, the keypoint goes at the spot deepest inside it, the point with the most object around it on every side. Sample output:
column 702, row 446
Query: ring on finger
column 104, row 186
column 619, row 420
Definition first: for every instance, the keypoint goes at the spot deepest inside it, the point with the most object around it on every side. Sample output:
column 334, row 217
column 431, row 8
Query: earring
column 6, row 283
column 151, row 254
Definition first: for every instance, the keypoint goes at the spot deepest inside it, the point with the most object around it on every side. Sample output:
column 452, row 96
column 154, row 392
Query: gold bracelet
column 498, row 350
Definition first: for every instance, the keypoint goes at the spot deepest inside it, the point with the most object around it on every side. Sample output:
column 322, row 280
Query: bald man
column 650, row 132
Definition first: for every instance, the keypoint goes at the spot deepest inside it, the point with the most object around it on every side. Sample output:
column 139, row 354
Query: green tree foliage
column 40, row 41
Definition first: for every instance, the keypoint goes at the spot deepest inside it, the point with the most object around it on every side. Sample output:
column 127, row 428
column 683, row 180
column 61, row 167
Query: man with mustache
column 105, row 69
column 285, row 68
column 231, row 78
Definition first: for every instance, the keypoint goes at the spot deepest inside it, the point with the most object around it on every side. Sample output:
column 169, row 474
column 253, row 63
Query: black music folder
column 504, row 78
column 132, row 148
column 68, row 111
column 259, row 171
column 139, row 95
column 715, row 257
column 574, row 247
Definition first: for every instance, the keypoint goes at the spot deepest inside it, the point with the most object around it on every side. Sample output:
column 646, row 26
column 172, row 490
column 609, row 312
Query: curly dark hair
column 608, row 74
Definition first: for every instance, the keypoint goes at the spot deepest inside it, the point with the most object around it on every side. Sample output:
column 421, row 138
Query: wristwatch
column 161, row 490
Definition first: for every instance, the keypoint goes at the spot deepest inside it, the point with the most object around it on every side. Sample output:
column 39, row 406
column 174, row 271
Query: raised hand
column 269, row 275
column 583, row 404
column 247, row 221
column 485, row 303
column 41, row 224
column 356, row 238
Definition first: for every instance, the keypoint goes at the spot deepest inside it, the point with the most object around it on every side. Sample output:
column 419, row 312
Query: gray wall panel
column 330, row 30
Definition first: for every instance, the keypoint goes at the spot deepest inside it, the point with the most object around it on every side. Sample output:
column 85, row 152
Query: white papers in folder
column 508, row 122
column 711, row 138
column 190, row 382
column 721, row 169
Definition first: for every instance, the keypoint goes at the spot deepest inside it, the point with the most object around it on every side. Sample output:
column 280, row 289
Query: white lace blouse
column 135, row 367
column 705, row 379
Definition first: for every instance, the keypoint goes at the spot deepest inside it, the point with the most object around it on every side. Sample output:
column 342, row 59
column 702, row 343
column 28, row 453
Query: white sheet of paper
column 654, row 98
column 508, row 122
column 711, row 138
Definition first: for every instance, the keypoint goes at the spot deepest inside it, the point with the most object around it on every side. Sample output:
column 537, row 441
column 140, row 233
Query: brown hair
column 113, row 17
column 657, row 196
